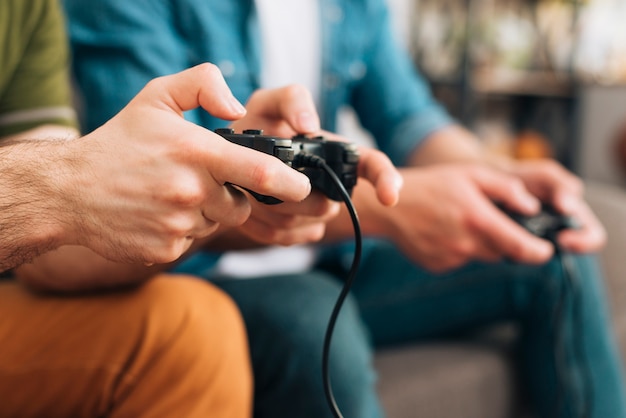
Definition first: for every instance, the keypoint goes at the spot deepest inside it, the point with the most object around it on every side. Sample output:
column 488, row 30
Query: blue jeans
column 395, row 302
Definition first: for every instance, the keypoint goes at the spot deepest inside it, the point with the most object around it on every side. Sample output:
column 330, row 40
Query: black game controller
column 546, row 224
column 341, row 157
column 303, row 153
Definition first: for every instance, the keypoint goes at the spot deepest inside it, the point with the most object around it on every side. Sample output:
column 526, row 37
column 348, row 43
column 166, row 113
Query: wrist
column 34, row 218
column 70, row 181
column 375, row 218
column 500, row 162
column 52, row 172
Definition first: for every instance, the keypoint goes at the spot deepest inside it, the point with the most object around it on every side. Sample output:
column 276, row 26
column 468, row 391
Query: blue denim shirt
column 119, row 45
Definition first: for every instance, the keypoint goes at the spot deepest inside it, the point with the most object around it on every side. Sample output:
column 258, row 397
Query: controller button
column 253, row 132
column 224, row 131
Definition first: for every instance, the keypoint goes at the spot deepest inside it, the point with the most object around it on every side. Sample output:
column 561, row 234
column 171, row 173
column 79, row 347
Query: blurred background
column 533, row 78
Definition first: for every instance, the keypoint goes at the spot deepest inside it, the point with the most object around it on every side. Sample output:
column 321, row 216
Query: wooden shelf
column 522, row 82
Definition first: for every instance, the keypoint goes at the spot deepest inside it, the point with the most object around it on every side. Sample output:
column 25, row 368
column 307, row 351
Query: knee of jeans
column 294, row 331
column 549, row 285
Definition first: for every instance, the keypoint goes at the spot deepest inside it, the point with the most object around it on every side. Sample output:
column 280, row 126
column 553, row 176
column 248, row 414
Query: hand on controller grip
column 306, row 155
column 546, row 224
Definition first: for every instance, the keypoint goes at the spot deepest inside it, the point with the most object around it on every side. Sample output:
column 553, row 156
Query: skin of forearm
column 49, row 132
column 71, row 269
column 74, row 268
column 372, row 216
column 33, row 219
column 448, row 145
column 229, row 239
column 454, row 144
column 30, row 222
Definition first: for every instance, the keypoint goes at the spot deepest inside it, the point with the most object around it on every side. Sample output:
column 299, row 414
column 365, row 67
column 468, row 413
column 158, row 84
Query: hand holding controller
column 303, row 153
column 546, row 224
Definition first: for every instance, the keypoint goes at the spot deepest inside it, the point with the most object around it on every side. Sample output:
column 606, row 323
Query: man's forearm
column 451, row 144
column 448, row 145
column 229, row 239
column 77, row 269
column 371, row 212
column 71, row 269
column 31, row 221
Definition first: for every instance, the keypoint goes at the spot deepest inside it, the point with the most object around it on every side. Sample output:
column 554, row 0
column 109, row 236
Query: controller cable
column 571, row 287
column 313, row 161
column 569, row 303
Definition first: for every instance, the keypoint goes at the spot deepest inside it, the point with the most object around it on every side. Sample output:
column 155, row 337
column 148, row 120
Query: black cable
column 570, row 283
column 559, row 348
column 573, row 283
column 571, row 288
column 317, row 162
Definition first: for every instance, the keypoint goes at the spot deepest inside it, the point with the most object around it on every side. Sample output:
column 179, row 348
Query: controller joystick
column 304, row 154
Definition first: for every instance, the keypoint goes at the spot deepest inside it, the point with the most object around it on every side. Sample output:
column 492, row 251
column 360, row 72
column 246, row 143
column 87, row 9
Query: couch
column 475, row 378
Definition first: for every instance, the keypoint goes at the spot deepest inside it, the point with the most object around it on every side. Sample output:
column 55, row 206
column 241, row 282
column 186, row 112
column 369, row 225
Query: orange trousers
column 174, row 347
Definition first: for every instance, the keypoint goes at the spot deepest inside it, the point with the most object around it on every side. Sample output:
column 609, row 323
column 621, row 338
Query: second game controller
column 546, row 224
column 303, row 154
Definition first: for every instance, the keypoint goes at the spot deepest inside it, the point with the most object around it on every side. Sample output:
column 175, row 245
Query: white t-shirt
column 290, row 43
column 291, row 53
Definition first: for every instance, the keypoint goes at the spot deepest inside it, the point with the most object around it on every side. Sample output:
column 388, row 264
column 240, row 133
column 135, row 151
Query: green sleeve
column 36, row 88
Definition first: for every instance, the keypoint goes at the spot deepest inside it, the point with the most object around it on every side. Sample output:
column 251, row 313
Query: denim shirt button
column 357, row 70
column 330, row 82
column 333, row 13
column 227, row 68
